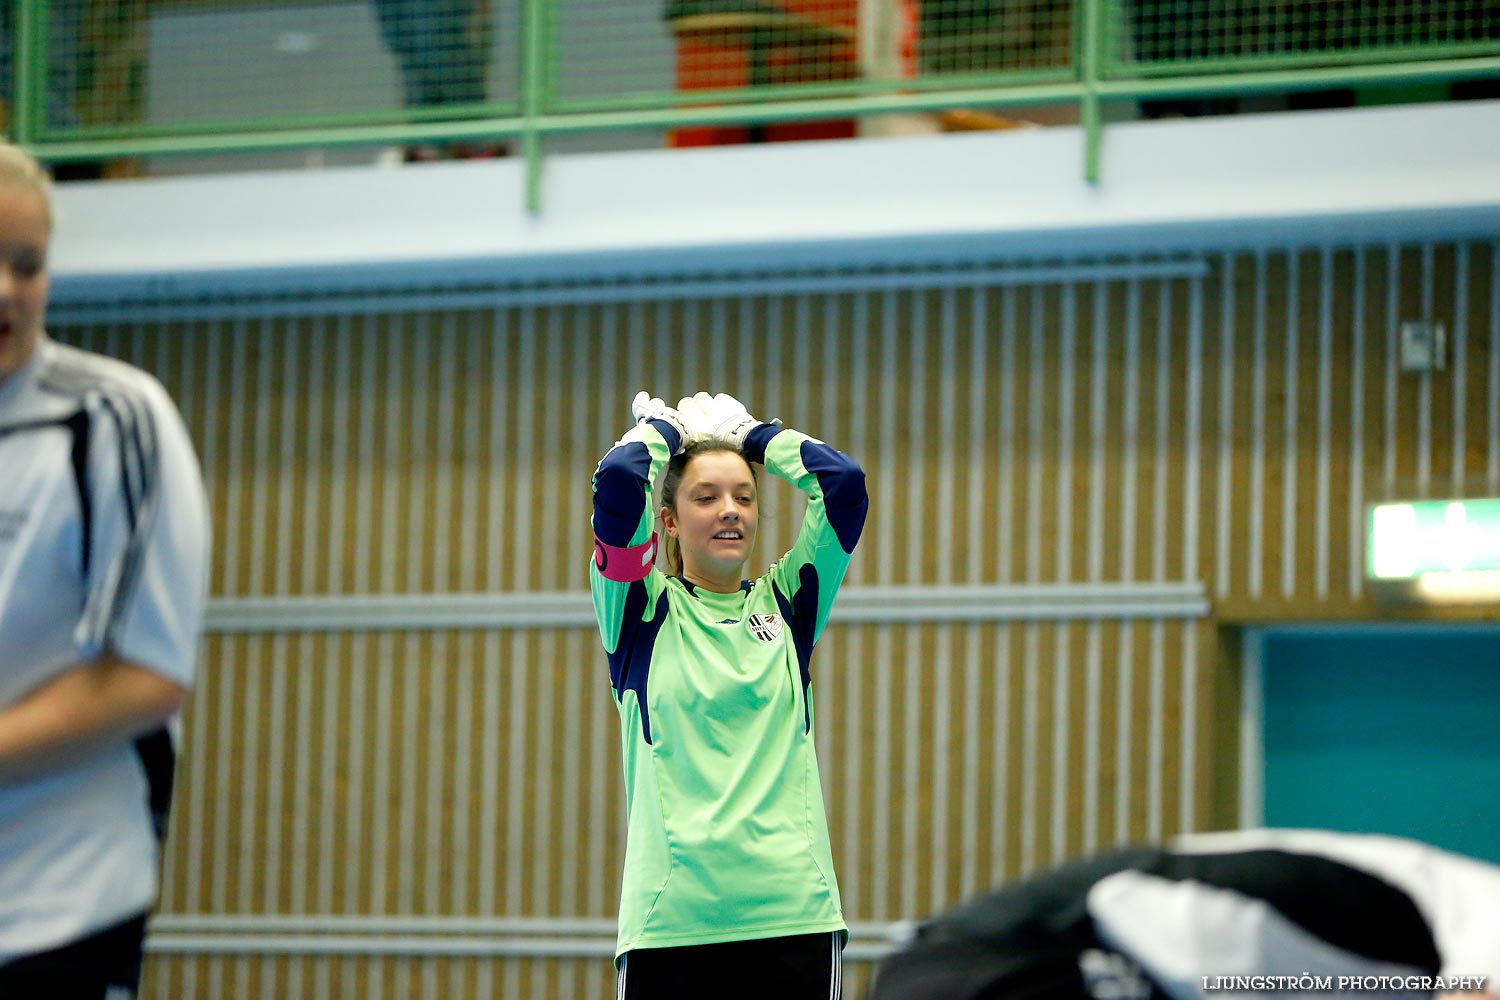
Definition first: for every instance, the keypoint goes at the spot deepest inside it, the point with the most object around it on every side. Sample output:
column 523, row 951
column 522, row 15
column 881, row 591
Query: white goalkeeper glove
column 648, row 407
column 695, row 416
column 723, row 418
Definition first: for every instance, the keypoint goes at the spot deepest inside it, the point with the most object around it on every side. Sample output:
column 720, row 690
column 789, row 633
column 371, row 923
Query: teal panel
column 1386, row 732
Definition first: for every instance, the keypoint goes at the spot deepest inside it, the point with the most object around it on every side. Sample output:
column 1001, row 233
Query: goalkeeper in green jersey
column 729, row 887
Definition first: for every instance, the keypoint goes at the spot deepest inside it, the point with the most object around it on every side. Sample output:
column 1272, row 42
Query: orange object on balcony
column 731, row 44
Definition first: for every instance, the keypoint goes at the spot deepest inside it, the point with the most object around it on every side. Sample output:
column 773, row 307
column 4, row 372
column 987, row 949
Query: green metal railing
column 554, row 67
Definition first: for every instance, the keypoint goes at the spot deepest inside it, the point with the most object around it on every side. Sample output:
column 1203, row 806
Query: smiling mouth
column 729, row 536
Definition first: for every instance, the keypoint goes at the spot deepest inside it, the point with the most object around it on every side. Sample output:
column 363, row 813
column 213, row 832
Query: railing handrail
column 1095, row 75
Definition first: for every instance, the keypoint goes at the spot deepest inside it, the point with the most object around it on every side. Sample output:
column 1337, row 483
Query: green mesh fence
column 986, row 36
column 1187, row 36
column 676, row 52
column 187, row 76
column 152, row 66
column 604, row 52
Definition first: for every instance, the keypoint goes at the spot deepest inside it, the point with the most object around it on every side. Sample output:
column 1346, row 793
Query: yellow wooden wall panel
column 1226, row 428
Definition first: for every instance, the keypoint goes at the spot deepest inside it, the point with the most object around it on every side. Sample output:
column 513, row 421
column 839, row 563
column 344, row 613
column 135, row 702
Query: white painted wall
column 1358, row 174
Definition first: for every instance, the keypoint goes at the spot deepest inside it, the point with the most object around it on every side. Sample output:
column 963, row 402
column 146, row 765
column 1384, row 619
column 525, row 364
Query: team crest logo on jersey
column 764, row 627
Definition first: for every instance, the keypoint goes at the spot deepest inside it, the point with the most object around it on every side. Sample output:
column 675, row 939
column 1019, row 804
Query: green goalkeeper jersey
column 727, row 835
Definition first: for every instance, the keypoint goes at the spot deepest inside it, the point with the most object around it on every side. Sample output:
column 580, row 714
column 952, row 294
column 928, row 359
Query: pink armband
column 625, row 564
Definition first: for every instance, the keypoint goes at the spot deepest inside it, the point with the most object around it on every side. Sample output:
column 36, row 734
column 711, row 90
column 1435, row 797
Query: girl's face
column 25, row 232
column 715, row 517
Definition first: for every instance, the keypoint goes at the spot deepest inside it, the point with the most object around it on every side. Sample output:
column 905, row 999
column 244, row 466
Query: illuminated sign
column 1441, row 551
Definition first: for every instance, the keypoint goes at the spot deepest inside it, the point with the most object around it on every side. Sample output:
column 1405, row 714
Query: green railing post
column 536, row 91
column 28, row 99
column 1094, row 42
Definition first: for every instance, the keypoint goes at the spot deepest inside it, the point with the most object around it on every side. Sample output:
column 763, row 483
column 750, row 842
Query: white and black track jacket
column 104, row 544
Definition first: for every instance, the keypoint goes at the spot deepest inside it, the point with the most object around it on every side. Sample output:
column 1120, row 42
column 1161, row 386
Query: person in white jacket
column 103, row 570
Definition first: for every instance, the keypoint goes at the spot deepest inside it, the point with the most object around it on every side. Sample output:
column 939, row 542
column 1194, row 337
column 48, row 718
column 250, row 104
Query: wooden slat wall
column 1226, row 428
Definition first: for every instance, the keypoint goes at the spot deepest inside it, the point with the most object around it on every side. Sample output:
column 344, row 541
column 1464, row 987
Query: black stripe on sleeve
column 140, row 489
column 146, row 457
column 130, row 470
column 79, row 424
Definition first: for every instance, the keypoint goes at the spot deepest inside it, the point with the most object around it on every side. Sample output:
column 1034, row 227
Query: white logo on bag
column 1109, row 976
column 764, row 627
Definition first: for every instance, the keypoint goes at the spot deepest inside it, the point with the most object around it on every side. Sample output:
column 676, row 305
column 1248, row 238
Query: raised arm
column 623, row 576
column 809, row 575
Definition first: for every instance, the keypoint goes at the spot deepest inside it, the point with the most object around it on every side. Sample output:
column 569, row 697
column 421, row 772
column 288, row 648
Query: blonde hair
column 22, row 169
